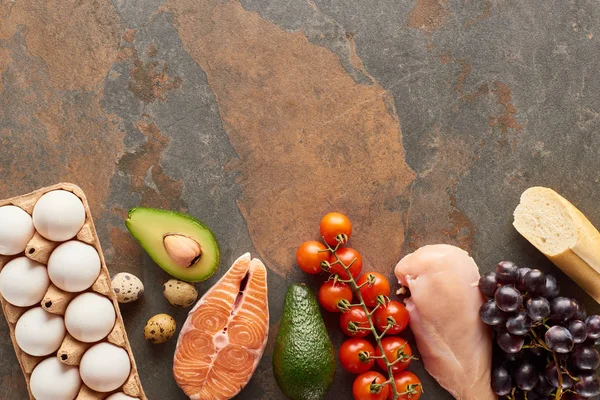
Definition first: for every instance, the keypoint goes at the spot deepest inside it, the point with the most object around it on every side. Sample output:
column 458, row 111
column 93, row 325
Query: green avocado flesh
column 150, row 225
column 304, row 357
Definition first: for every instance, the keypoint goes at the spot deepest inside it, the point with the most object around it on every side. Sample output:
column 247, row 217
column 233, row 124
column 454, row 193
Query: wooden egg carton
column 55, row 301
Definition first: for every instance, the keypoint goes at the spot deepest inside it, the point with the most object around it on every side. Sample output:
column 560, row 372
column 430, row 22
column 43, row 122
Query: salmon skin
column 224, row 336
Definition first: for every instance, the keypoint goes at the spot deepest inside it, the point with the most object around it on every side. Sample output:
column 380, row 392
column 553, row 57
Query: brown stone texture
column 423, row 121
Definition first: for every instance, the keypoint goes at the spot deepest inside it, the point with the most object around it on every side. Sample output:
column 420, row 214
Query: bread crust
column 581, row 261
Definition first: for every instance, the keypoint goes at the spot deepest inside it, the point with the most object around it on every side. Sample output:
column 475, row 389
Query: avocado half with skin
column 179, row 243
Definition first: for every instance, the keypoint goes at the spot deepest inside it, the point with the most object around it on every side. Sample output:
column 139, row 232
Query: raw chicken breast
column 455, row 346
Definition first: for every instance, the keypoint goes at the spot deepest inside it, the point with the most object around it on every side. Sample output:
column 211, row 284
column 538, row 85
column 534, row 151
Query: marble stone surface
column 423, row 120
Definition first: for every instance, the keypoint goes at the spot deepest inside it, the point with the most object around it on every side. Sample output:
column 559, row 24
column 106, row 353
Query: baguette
column 563, row 234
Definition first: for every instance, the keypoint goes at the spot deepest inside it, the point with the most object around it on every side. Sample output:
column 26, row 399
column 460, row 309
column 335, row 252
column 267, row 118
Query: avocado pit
column 183, row 250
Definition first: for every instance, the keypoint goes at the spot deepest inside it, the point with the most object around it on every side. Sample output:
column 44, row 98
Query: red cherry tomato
column 330, row 294
column 348, row 256
column 395, row 347
column 395, row 310
column 370, row 291
column 408, row 384
column 355, row 315
column 351, row 352
column 364, row 386
column 335, row 225
column 310, row 255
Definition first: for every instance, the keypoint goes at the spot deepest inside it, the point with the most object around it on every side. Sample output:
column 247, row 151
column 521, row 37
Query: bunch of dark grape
column 546, row 344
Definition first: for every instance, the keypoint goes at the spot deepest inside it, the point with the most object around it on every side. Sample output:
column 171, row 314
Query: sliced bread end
column 541, row 217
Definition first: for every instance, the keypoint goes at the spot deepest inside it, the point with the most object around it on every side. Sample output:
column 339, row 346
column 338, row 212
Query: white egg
column 23, row 282
column 53, row 380
column 120, row 396
column 58, row 215
column 39, row 333
column 90, row 317
column 105, row 367
column 16, row 230
column 74, row 266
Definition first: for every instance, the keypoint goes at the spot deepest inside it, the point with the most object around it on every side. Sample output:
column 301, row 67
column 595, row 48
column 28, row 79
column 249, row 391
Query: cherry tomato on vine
column 370, row 291
column 309, row 256
column 346, row 255
column 395, row 348
column 392, row 309
column 357, row 315
column 335, row 224
column 330, row 294
column 408, row 384
column 351, row 352
column 364, row 386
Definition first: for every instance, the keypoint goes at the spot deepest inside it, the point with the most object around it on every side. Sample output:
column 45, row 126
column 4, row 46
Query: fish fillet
column 455, row 346
column 224, row 336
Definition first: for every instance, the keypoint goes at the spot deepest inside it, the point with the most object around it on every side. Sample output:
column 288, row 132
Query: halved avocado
column 179, row 243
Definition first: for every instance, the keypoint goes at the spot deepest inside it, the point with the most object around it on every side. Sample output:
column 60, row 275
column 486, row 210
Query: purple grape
column 535, row 281
column 543, row 387
column 562, row 309
column 578, row 330
column 537, row 355
column 593, row 326
column 507, row 272
column 588, row 385
column 513, row 357
column 501, row 381
column 488, row 284
column 518, row 324
column 490, row 313
column 526, row 376
column 551, row 374
column 538, row 308
column 580, row 312
column 559, row 339
column 508, row 298
column 585, row 358
column 520, row 284
column 551, row 290
column 510, row 343
column 575, row 396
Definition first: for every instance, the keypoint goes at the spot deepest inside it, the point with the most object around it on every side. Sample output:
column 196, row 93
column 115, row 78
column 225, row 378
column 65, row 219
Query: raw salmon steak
column 224, row 336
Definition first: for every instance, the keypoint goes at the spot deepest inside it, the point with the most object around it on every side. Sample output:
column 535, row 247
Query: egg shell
column 120, row 396
column 74, row 266
column 105, row 367
column 58, row 215
column 160, row 328
column 127, row 287
column 39, row 333
column 179, row 293
column 90, row 317
column 16, row 230
column 53, row 380
column 23, row 282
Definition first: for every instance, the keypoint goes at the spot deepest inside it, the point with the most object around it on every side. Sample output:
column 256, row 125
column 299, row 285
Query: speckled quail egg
column 58, row 215
column 16, row 230
column 39, row 333
column 120, row 396
column 105, row 367
column 160, row 328
column 127, row 287
column 53, row 380
column 23, row 282
column 90, row 317
column 74, row 266
column 180, row 294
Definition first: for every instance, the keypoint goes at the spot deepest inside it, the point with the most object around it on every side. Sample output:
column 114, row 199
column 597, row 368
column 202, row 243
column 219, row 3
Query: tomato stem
column 356, row 289
column 374, row 309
